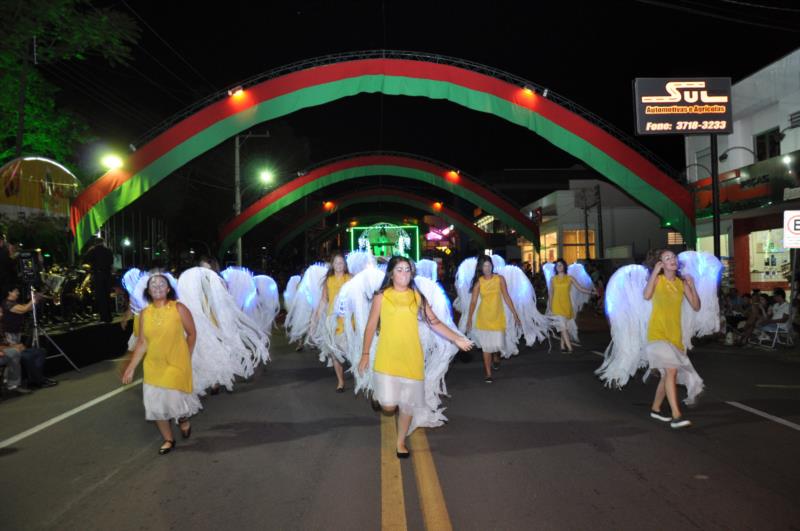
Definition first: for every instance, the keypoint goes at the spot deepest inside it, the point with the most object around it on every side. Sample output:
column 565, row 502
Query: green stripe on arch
column 259, row 216
column 145, row 178
column 470, row 230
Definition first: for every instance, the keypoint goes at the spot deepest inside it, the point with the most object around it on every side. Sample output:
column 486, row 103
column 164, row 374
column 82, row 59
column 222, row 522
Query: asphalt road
column 544, row 447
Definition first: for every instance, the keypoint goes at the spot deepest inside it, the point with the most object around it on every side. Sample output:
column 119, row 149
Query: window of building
column 573, row 245
column 674, row 238
column 769, row 261
column 548, row 244
column 767, row 144
column 702, row 160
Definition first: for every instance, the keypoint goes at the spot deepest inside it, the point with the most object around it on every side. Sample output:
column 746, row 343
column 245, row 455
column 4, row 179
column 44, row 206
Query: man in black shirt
column 101, row 259
column 8, row 266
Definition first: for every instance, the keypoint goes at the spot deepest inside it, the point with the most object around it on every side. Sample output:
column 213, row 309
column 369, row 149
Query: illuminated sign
column 683, row 106
column 791, row 229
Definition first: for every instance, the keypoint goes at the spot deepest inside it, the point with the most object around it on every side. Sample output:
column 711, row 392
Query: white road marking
column 599, row 353
column 55, row 420
column 777, row 386
column 765, row 415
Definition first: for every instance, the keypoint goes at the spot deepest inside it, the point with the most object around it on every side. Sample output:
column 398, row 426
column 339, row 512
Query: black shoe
column 340, row 389
column 48, row 382
column 404, row 455
column 20, row 391
column 488, row 379
column 495, row 365
column 168, row 449
column 376, row 406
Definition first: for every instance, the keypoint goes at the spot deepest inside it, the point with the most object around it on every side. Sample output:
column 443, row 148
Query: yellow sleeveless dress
column 665, row 320
column 167, row 363
column 399, row 361
column 491, row 315
column 399, row 351
column 562, row 303
column 335, row 284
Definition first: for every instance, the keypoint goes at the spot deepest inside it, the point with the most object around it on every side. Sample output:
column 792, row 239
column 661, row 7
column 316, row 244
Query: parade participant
column 654, row 313
column 400, row 367
column 489, row 330
column 167, row 338
column 563, row 289
column 331, row 342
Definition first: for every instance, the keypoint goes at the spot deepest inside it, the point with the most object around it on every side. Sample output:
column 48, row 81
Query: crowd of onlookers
column 757, row 316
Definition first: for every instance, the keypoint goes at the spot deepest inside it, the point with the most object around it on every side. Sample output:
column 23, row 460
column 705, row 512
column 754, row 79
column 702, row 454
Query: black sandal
column 163, row 451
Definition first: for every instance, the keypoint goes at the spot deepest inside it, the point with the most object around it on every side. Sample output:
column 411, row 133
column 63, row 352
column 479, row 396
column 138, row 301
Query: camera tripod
column 36, row 332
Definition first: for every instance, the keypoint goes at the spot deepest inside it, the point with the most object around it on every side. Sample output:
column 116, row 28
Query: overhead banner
column 683, row 106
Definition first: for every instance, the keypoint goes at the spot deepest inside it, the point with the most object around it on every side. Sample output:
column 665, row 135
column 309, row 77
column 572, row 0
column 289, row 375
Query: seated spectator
column 778, row 315
column 13, row 319
column 10, row 358
column 754, row 316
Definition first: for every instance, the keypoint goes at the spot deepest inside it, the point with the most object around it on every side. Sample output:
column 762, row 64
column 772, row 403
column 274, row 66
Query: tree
column 47, row 31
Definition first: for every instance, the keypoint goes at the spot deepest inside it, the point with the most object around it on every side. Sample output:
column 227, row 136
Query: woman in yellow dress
column 490, row 323
column 399, row 369
column 665, row 348
column 333, row 348
column 561, row 301
column 166, row 340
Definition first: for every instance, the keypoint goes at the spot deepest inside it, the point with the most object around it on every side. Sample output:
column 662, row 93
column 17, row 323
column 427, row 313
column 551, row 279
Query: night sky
column 585, row 51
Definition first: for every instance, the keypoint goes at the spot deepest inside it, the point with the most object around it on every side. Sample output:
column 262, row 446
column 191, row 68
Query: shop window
column 548, row 244
column 769, row 261
column 768, row 144
column 574, row 245
column 674, row 238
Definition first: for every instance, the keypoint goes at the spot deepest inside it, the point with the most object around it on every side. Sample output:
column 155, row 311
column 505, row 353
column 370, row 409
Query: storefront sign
column 791, row 229
column 683, row 106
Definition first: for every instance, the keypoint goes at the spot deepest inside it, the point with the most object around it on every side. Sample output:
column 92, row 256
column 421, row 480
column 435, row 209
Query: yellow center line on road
column 431, row 498
column 393, row 505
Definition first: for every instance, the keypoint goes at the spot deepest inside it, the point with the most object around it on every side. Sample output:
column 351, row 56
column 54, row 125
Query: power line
column 168, row 45
column 726, row 18
column 761, row 6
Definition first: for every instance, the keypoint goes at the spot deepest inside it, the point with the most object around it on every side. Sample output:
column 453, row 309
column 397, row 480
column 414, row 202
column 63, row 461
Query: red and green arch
column 425, row 77
column 368, row 165
column 382, row 195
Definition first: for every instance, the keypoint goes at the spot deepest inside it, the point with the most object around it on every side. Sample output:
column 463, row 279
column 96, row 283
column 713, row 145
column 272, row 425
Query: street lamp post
column 237, row 198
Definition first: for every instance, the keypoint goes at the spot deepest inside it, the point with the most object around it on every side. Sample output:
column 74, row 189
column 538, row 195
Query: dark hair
column 562, row 261
column 387, row 283
column 779, row 292
column 479, row 269
column 654, row 256
column 170, row 294
column 211, row 261
column 331, row 272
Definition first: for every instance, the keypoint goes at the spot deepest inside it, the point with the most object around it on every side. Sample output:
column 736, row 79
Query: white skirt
column 405, row 393
column 663, row 355
column 489, row 340
column 161, row 403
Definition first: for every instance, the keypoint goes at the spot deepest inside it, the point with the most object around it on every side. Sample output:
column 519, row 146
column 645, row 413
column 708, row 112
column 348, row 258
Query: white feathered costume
column 577, row 298
column 534, row 324
column 304, row 303
column 354, row 301
column 629, row 315
column 129, row 281
column 256, row 296
column 229, row 343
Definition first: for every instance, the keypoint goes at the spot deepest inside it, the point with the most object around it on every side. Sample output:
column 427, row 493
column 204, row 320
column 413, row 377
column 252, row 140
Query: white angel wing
column 357, row 261
column 427, row 268
column 549, row 270
column 129, row 281
column 583, row 279
column 241, row 287
column 498, row 262
column 629, row 314
column 309, row 293
column 288, row 295
column 267, row 303
column 439, row 352
column 353, row 303
column 464, row 276
column 534, row 325
column 705, row 270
